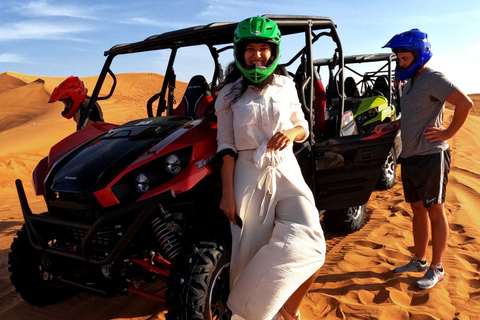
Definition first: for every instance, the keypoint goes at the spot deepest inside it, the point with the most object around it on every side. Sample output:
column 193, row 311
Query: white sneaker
column 413, row 266
column 431, row 277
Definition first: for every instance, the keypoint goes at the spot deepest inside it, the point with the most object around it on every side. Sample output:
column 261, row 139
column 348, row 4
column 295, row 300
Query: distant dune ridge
column 356, row 281
column 8, row 82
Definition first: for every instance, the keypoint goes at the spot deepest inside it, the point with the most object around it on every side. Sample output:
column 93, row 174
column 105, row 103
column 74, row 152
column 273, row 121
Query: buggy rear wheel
column 199, row 287
column 386, row 180
column 345, row 220
column 30, row 276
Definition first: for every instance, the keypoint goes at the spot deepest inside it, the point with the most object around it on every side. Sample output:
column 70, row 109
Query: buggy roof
column 217, row 33
column 359, row 58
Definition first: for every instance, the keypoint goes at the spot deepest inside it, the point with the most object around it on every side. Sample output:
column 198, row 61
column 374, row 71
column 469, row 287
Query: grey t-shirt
column 423, row 103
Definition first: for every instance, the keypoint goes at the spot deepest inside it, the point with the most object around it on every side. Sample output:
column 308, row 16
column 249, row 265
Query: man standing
column 425, row 151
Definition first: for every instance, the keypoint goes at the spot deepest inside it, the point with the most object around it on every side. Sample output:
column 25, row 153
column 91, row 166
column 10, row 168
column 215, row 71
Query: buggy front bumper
column 138, row 212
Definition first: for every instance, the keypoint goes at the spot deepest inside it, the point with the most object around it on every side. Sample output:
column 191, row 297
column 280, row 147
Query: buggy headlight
column 372, row 113
column 361, row 119
column 151, row 175
column 173, row 164
column 141, row 183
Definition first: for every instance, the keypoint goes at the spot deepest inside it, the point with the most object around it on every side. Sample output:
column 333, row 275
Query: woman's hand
column 282, row 139
column 229, row 206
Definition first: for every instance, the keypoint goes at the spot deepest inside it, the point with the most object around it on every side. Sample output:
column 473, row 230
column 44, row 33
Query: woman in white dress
column 278, row 251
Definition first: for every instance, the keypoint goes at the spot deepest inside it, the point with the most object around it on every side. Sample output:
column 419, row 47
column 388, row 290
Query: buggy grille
column 103, row 241
column 74, row 206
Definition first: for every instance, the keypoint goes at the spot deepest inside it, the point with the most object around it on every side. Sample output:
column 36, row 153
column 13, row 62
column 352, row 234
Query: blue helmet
column 411, row 41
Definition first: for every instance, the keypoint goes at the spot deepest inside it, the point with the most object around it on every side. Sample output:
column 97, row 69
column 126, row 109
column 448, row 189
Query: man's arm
column 462, row 104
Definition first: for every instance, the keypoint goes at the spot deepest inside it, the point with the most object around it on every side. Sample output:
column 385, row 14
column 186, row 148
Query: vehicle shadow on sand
column 8, row 228
column 84, row 306
column 78, row 307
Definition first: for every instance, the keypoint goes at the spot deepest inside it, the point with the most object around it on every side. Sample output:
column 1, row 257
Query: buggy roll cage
column 217, row 34
column 366, row 77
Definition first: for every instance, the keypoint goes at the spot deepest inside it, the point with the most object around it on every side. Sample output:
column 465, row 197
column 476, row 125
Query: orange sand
column 356, row 281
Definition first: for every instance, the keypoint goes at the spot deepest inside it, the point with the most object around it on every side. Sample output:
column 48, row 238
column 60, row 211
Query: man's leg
column 440, row 231
column 439, row 225
column 421, row 230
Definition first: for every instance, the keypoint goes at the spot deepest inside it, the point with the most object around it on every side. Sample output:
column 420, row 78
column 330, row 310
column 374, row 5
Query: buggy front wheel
column 199, row 286
column 29, row 273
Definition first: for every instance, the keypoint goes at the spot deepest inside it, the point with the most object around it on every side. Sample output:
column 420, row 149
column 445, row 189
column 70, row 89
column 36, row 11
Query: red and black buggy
column 133, row 203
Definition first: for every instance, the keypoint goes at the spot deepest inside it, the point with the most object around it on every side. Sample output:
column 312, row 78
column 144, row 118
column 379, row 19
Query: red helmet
column 71, row 89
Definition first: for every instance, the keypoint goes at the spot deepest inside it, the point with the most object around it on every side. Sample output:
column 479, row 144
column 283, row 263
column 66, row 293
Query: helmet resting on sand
column 414, row 41
column 256, row 30
column 71, row 89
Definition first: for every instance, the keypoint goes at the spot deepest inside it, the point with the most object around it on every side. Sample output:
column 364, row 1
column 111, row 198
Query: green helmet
column 257, row 30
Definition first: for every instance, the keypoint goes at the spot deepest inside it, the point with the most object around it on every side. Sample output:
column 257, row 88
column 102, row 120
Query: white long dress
column 281, row 243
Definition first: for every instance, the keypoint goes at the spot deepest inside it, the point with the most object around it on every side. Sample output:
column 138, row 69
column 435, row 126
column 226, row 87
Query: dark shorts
column 425, row 178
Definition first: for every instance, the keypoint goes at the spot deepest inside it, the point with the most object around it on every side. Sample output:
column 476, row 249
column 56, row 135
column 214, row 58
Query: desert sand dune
column 8, row 82
column 356, row 281
column 22, row 110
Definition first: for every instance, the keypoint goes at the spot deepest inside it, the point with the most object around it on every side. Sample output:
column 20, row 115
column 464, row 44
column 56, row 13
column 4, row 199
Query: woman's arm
column 299, row 132
column 282, row 139
column 228, row 204
column 227, row 151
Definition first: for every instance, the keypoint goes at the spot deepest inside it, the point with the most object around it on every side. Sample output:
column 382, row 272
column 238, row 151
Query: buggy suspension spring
column 168, row 238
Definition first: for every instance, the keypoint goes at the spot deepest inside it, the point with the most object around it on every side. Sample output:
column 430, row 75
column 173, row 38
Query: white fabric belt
column 268, row 178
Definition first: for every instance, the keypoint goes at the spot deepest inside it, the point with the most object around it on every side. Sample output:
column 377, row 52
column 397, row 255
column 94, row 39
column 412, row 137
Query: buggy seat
column 351, row 89
column 196, row 97
column 381, row 85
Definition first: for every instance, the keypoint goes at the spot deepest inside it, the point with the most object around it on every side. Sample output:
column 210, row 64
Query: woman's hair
column 232, row 74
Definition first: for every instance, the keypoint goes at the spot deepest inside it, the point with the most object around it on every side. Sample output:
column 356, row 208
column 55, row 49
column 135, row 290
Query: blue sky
column 61, row 38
